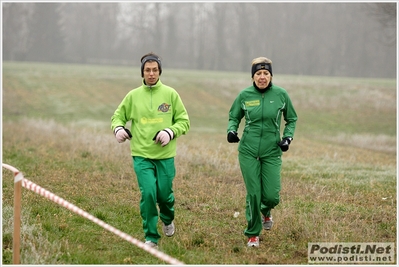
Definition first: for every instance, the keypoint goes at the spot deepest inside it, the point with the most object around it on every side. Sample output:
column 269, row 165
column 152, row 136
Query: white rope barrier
column 47, row 194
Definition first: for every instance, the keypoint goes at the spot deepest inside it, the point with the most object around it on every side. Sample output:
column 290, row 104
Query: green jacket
column 151, row 109
column 262, row 113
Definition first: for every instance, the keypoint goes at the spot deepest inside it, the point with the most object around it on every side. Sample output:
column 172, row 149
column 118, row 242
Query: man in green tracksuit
column 158, row 117
column 260, row 149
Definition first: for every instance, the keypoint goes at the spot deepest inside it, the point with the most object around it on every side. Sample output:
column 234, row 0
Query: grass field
column 338, row 177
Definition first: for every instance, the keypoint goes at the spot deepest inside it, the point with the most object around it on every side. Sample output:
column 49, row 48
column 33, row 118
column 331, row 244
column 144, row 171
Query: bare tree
column 45, row 38
column 221, row 36
column 385, row 13
column 203, row 33
column 90, row 31
column 15, row 31
column 243, row 15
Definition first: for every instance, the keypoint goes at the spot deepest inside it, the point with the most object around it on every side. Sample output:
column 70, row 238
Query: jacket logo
column 145, row 120
column 164, row 107
column 252, row 103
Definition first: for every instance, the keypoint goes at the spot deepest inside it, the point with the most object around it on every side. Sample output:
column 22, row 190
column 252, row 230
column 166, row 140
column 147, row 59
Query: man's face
column 151, row 72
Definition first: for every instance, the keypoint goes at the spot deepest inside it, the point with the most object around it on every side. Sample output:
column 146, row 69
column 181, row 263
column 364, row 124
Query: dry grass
column 336, row 187
column 341, row 190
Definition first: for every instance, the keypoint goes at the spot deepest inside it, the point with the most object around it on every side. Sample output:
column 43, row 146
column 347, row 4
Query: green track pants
column 155, row 180
column 262, row 182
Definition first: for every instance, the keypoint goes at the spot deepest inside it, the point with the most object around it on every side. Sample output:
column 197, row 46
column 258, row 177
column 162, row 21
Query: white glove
column 164, row 136
column 121, row 135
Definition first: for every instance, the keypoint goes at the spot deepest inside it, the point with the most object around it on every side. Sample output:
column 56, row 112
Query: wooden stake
column 17, row 217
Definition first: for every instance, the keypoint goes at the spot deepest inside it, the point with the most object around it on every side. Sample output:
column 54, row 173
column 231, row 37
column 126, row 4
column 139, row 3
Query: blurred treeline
column 329, row 39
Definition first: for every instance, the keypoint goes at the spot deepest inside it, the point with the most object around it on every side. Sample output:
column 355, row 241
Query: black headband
column 261, row 66
column 148, row 58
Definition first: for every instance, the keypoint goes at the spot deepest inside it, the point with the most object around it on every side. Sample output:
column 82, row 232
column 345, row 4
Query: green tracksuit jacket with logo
column 259, row 153
column 263, row 112
column 151, row 109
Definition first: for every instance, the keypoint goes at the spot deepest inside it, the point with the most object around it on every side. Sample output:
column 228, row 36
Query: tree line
column 329, row 39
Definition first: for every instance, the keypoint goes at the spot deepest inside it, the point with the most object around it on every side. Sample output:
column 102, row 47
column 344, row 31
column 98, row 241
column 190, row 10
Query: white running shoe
column 253, row 241
column 267, row 222
column 169, row 230
column 151, row 244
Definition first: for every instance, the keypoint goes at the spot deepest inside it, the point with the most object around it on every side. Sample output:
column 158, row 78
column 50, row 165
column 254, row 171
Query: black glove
column 128, row 132
column 285, row 143
column 232, row 137
column 121, row 136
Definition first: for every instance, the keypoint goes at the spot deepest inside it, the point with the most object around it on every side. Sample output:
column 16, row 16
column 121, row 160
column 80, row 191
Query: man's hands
column 232, row 137
column 285, row 143
column 121, row 134
column 164, row 136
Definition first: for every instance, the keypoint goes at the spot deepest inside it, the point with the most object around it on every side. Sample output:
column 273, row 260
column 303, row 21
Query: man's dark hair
column 148, row 58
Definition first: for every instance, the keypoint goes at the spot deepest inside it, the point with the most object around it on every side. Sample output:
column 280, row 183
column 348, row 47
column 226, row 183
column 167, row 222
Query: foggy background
column 329, row 39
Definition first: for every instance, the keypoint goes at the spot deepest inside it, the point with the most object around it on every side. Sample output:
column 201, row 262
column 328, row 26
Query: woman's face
column 262, row 78
column 151, row 72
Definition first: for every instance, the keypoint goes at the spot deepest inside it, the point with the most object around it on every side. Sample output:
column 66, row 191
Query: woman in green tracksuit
column 260, row 149
column 158, row 117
